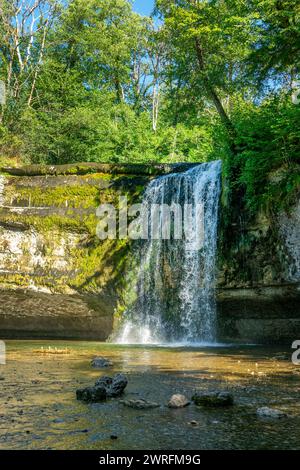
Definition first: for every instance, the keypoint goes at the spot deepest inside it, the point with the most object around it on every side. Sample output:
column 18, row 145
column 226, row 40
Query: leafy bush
column 268, row 154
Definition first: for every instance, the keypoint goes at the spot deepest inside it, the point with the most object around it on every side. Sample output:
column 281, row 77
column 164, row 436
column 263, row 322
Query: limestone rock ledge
column 265, row 314
column 30, row 314
column 57, row 279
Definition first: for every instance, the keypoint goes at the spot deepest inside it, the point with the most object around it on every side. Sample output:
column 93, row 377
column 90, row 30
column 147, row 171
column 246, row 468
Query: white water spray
column 175, row 289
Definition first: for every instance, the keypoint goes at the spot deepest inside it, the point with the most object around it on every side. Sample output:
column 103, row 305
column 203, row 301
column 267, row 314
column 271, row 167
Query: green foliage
column 94, row 81
column 267, row 165
column 276, row 51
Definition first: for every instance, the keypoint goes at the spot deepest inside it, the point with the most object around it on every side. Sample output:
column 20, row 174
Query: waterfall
column 175, row 287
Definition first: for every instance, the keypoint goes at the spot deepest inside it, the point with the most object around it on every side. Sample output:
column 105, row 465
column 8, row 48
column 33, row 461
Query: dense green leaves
column 90, row 80
column 269, row 156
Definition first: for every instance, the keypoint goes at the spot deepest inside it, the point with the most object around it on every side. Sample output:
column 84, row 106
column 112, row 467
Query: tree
column 276, row 48
column 208, row 42
column 92, row 80
column 24, row 27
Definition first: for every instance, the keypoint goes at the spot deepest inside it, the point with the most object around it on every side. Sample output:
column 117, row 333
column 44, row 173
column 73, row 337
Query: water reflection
column 39, row 409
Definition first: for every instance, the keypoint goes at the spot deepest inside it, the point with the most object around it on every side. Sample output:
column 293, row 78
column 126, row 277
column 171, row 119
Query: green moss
column 93, row 265
column 66, row 196
column 99, row 265
column 71, row 223
column 26, row 281
column 84, row 196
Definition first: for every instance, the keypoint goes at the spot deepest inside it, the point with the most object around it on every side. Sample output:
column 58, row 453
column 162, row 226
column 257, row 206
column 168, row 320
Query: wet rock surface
column 105, row 387
column 213, row 399
column 114, row 386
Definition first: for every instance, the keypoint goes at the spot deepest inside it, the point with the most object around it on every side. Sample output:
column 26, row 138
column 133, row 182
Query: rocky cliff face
column 57, row 279
column 259, row 279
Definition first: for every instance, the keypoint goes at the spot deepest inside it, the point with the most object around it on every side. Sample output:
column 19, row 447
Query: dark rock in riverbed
column 213, row 399
column 114, row 385
column 101, row 363
column 91, row 394
column 105, row 387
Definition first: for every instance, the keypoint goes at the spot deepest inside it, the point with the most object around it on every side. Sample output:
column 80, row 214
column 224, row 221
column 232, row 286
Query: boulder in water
column 101, row 363
column 114, row 386
column 274, row 413
column 178, row 401
column 213, row 399
column 105, row 387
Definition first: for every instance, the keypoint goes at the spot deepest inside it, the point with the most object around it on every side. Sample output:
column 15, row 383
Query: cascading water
column 175, row 298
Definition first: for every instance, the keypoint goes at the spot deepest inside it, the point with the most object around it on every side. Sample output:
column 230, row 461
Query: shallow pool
column 39, row 409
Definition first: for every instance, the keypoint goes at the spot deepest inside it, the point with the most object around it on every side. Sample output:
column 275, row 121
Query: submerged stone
column 274, row 413
column 178, row 401
column 140, row 404
column 101, row 363
column 213, row 399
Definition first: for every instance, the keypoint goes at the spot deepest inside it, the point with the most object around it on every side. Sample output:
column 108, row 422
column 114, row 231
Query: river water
column 38, row 408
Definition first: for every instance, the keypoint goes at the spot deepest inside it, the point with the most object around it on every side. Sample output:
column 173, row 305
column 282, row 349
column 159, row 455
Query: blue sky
column 144, row 7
